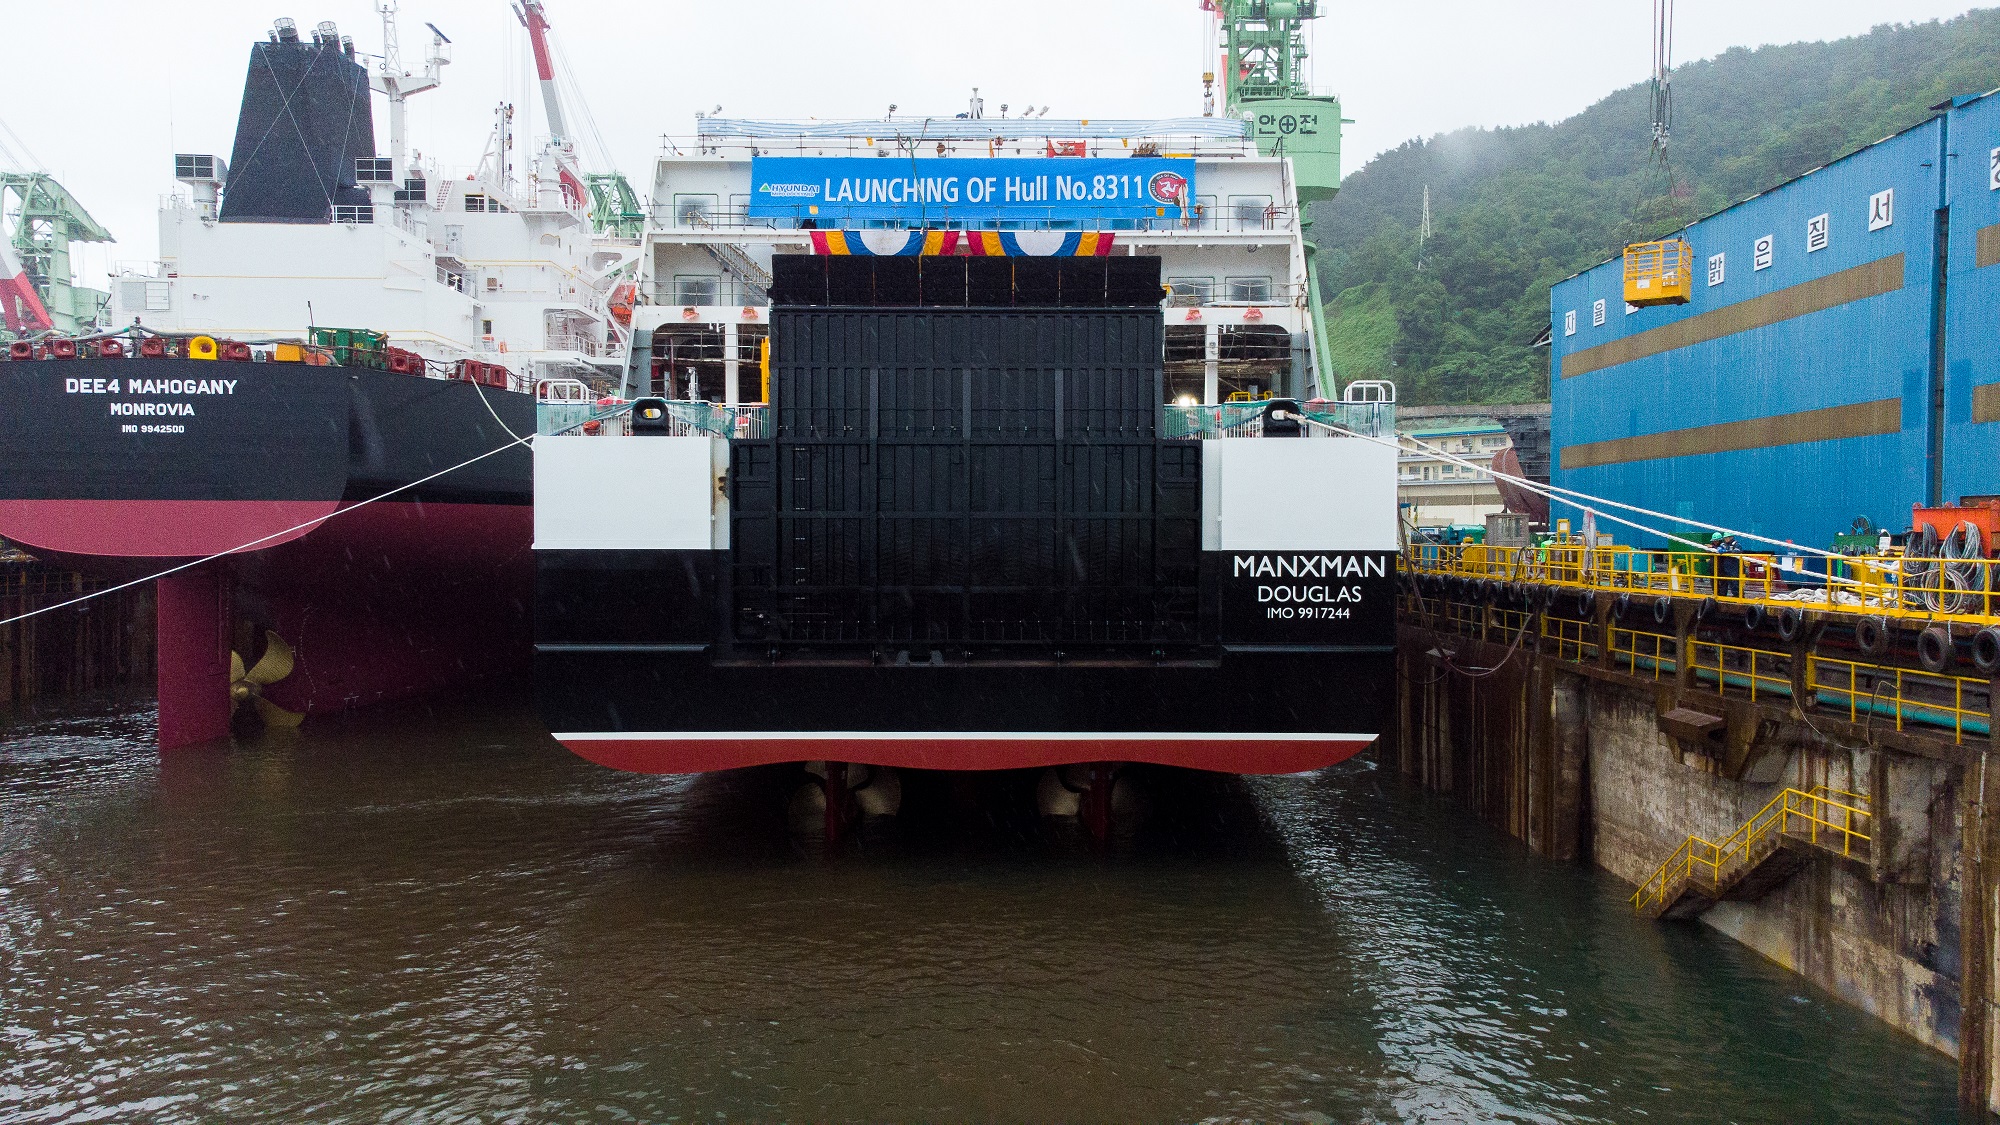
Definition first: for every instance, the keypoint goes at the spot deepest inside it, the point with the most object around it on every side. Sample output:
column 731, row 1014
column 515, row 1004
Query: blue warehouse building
column 1837, row 359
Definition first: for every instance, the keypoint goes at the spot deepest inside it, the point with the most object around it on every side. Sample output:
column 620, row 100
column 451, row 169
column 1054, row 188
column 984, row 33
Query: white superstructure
column 486, row 266
column 1237, row 315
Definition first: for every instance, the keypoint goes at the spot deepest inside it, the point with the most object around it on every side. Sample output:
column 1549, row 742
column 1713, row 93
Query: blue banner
column 838, row 191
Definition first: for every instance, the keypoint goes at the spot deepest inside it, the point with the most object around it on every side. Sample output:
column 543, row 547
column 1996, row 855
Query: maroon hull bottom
column 151, row 529
column 694, row 753
column 194, row 624
column 381, row 601
column 391, row 600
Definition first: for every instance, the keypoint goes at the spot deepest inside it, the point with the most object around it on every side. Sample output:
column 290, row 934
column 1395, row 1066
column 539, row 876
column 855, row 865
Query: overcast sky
column 126, row 83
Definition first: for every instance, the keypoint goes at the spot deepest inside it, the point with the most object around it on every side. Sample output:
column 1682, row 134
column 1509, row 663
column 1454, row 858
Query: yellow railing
column 1851, row 688
column 1466, row 618
column 1833, row 819
column 1574, row 640
column 1942, row 589
column 1742, row 667
column 1901, row 694
column 1641, row 651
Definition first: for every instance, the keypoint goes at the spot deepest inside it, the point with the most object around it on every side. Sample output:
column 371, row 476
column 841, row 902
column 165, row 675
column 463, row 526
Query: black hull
column 634, row 669
column 325, row 492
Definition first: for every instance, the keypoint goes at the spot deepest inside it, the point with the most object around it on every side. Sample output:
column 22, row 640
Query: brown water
column 443, row 916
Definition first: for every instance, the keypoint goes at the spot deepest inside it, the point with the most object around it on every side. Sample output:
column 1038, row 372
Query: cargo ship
column 972, row 443
column 344, row 513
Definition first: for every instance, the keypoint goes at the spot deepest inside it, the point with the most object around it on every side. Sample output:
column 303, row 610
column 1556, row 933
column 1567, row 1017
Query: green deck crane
column 614, row 206
column 46, row 219
column 1263, row 46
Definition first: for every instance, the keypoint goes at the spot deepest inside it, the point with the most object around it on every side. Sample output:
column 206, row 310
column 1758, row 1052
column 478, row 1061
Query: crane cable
column 1659, row 157
column 1551, row 492
column 1663, row 65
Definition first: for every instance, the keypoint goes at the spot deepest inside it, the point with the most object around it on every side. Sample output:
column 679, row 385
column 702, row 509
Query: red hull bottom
column 704, row 753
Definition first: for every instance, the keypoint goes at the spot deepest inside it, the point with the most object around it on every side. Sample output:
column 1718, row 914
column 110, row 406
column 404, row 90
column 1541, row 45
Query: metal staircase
column 1787, row 832
column 756, row 281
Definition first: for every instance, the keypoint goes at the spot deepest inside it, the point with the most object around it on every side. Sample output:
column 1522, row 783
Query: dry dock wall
column 105, row 644
column 1571, row 758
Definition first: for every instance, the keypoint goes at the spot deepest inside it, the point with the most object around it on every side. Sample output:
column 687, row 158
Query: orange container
column 1982, row 512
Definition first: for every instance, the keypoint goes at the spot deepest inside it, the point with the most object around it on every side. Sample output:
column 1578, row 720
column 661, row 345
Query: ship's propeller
column 248, row 686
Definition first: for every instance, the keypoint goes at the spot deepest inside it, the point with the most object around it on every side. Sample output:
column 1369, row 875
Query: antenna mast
column 1424, row 229
column 393, row 82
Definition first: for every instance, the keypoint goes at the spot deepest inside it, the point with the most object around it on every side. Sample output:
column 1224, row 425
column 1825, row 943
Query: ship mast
column 393, row 82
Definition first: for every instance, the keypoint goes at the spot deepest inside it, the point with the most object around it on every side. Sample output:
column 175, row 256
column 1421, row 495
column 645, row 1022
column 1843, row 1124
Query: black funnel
column 305, row 120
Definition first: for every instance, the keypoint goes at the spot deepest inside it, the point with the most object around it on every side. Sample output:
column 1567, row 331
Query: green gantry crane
column 46, row 218
column 1263, row 47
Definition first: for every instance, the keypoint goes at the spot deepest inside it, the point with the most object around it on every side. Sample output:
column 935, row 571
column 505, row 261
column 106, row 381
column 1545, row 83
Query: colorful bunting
column 976, row 243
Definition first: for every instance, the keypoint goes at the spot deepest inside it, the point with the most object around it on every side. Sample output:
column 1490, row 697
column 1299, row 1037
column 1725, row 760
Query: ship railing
column 575, row 342
column 1253, row 292
column 1209, row 421
column 563, row 392
column 1224, row 218
column 1029, row 142
column 685, row 418
column 707, row 291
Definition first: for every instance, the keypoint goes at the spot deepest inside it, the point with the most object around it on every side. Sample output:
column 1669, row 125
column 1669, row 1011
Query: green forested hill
column 1513, row 210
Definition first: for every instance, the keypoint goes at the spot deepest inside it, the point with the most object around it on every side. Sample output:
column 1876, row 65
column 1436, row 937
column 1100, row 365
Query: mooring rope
column 524, row 439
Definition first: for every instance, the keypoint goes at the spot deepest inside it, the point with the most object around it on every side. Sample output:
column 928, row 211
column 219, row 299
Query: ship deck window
column 1250, row 212
column 1189, row 291
column 694, row 210
column 353, row 213
column 477, row 203
column 696, row 289
column 1249, row 290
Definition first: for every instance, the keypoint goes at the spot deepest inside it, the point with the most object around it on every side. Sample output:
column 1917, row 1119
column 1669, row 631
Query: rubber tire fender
column 1586, row 603
column 1934, row 650
column 1663, row 610
column 1791, row 623
column 1986, row 650
column 1753, row 616
column 1622, row 608
column 1705, row 610
column 1872, row 635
